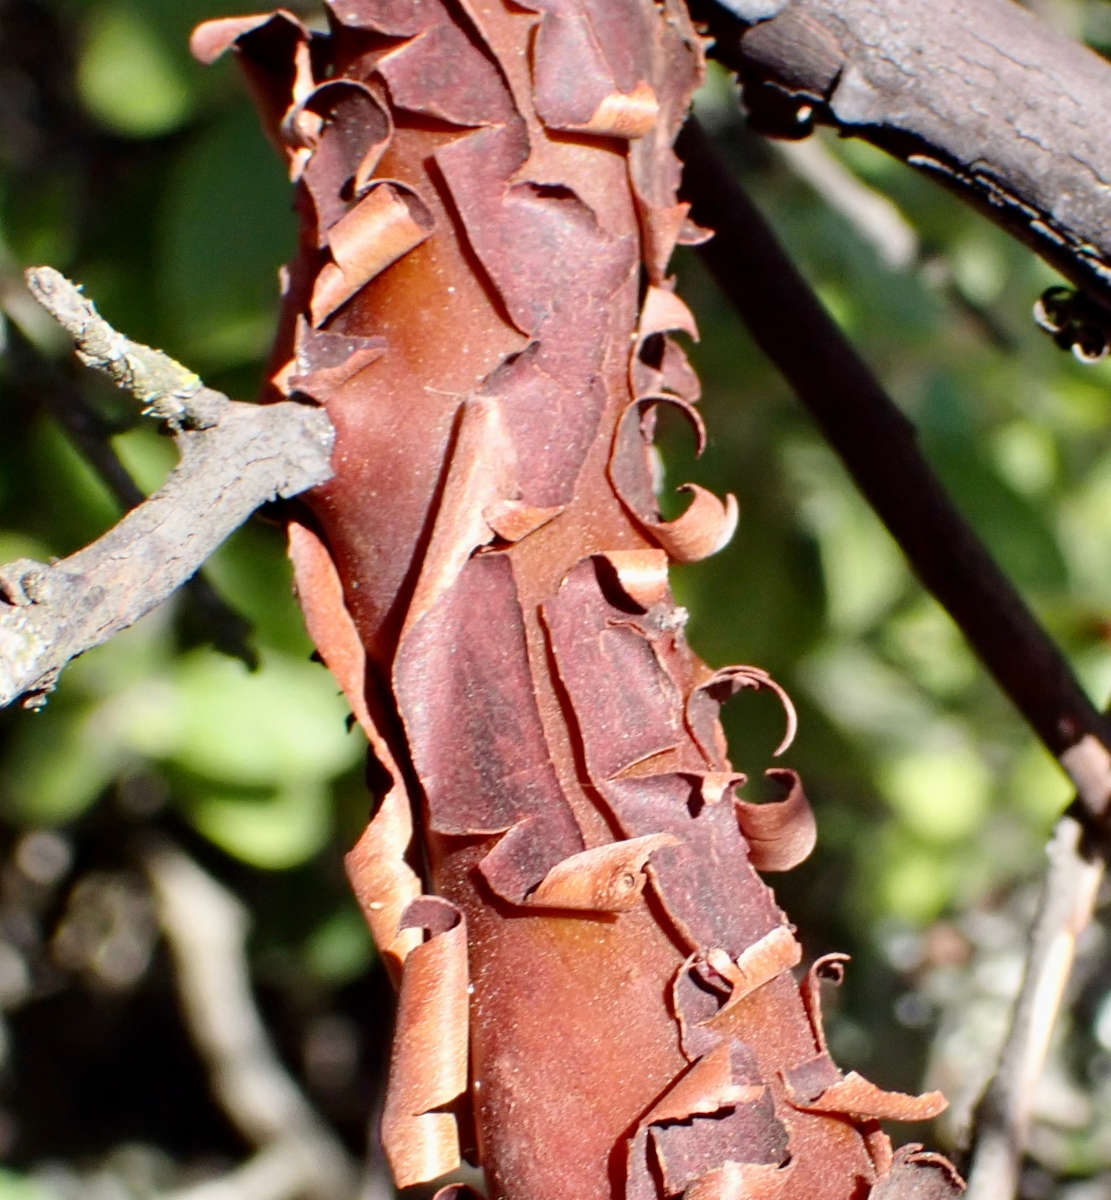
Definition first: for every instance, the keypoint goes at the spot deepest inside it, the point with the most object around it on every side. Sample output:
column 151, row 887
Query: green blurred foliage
column 151, row 183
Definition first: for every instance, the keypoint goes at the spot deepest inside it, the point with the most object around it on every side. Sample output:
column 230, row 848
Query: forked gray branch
column 206, row 929
column 234, row 457
column 1002, row 1119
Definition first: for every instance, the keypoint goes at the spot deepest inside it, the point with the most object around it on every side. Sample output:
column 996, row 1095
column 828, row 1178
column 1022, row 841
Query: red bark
column 488, row 194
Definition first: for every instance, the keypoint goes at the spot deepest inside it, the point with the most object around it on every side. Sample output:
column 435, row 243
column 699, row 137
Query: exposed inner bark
column 481, row 303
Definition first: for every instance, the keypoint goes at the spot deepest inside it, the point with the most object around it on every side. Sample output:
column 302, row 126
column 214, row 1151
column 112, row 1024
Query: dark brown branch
column 234, row 458
column 980, row 94
column 878, row 445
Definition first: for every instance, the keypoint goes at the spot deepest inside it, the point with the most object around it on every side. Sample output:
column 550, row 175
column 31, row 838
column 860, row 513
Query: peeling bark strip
column 927, row 82
column 481, row 304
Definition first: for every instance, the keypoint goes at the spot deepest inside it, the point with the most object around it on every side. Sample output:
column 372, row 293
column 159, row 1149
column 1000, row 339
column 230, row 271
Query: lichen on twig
column 166, row 388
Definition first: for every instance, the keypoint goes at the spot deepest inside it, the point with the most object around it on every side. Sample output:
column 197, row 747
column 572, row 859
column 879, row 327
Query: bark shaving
column 600, row 985
column 929, row 83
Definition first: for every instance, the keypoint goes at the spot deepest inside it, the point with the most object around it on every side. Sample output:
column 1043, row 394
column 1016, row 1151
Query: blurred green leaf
column 77, row 506
column 275, row 833
column 340, row 948
column 1025, row 455
column 1014, row 530
column 863, row 568
column 915, row 883
column 19, row 545
column 126, row 78
column 225, row 228
column 925, row 640
column 284, row 724
column 1038, row 787
column 147, row 456
column 24, row 1187
column 940, row 795
column 1085, row 530
column 980, row 266
column 253, row 571
column 57, row 765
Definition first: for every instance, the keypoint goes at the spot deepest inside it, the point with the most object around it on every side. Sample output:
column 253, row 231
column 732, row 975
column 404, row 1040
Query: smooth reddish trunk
column 481, row 303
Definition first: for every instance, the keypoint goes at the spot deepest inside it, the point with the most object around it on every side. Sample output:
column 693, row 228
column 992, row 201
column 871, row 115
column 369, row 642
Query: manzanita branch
column 879, row 447
column 981, row 95
column 599, row 986
column 234, row 458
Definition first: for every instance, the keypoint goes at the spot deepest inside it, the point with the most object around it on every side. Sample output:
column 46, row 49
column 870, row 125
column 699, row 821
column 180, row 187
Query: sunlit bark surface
column 597, row 996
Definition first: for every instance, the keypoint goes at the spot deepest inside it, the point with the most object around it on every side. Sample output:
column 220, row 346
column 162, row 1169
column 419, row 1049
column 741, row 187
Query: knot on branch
column 25, row 582
column 1075, row 322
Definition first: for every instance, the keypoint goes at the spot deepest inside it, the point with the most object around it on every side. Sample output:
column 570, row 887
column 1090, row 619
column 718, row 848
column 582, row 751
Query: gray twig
column 234, row 457
column 166, row 388
column 206, row 929
column 1002, row 1118
column 38, row 379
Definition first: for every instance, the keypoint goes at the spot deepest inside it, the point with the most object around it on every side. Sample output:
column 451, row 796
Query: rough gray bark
column 980, row 94
column 234, row 458
column 250, row 456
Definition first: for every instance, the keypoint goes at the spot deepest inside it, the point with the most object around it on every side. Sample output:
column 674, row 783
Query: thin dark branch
column 981, row 95
column 879, row 447
column 234, row 457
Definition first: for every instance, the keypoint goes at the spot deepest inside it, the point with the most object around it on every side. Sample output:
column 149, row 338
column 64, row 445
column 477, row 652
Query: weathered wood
column 981, row 95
